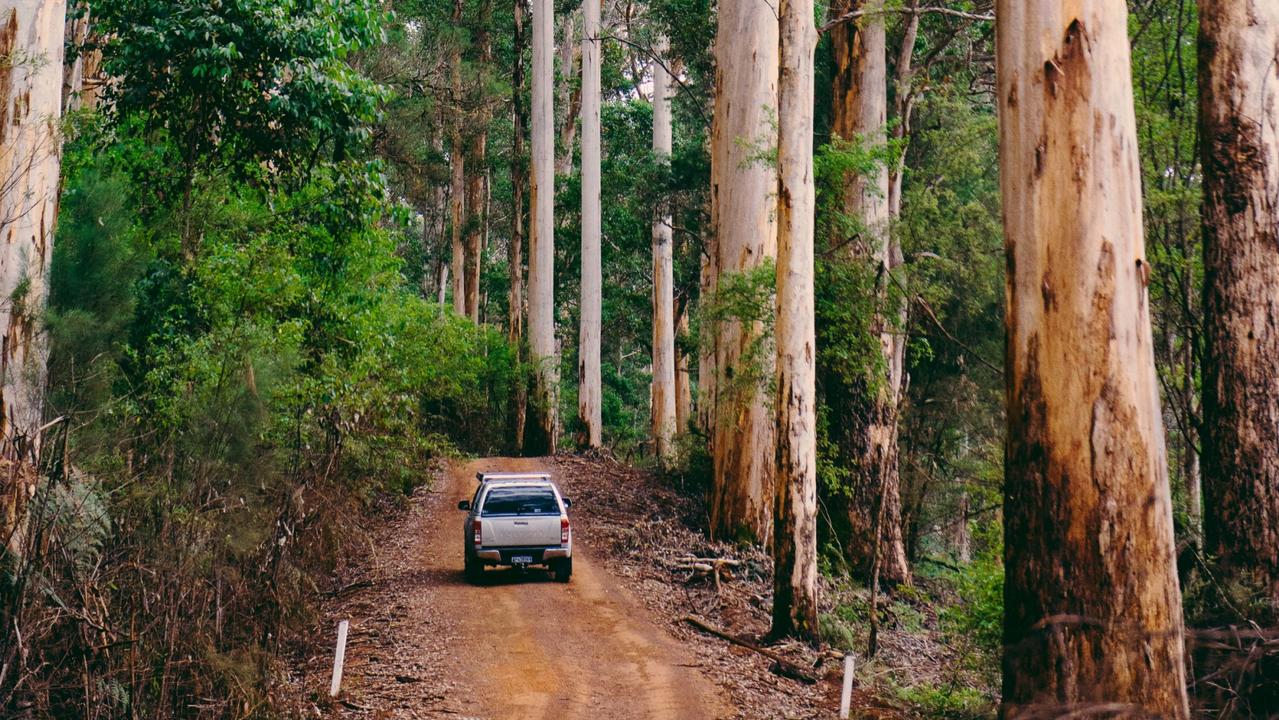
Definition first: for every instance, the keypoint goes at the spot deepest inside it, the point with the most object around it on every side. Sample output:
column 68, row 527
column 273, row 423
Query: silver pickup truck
column 517, row 520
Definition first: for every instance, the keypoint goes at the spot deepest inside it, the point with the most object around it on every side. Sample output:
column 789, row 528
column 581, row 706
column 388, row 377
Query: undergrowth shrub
column 237, row 381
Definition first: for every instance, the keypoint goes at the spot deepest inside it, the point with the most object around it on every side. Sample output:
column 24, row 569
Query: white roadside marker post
column 846, row 695
column 339, row 658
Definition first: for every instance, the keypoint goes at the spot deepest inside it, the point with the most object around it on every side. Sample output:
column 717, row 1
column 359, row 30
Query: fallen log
column 782, row 666
column 718, row 562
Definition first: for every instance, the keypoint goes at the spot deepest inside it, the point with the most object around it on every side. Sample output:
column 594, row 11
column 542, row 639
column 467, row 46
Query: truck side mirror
column 567, row 503
column 464, row 505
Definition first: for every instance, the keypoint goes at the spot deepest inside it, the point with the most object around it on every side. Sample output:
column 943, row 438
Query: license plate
column 522, row 559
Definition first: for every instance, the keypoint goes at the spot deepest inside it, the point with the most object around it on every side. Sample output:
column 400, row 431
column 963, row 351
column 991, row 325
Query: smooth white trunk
column 476, row 202
column 795, row 509
column 457, row 219
column 31, row 41
column 570, row 98
column 543, row 351
column 664, row 394
column 590, row 389
column 743, row 189
column 683, row 379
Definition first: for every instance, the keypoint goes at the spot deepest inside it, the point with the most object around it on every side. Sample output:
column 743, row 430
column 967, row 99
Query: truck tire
column 563, row 570
column 474, row 571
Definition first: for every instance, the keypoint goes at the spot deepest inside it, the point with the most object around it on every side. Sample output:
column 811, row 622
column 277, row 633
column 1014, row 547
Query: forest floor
column 614, row 643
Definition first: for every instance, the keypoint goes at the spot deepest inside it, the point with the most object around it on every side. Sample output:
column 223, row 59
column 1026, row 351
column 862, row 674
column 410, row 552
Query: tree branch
column 850, row 16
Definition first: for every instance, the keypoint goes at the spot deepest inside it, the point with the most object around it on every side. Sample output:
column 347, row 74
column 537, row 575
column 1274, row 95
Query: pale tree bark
column 1092, row 605
column 683, row 379
column 543, row 352
column 589, row 386
column 570, row 96
column 743, row 185
column 477, row 182
column 428, row 261
column 963, row 539
column 1239, row 115
column 472, row 249
column 795, row 508
column 82, row 77
column 519, row 176
column 457, row 220
column 663, row 417
column 707, row 338
column 457, row 178
column 434, row 231
column 31, row 44
column 867, row 436
column 903, row 111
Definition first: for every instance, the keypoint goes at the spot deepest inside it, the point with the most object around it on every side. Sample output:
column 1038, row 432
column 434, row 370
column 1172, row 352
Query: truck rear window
column 521, row 501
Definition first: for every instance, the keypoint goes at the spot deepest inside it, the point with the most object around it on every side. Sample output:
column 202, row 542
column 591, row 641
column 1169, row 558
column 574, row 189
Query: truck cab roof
column 487, row 477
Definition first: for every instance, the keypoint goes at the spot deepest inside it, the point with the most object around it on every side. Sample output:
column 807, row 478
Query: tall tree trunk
column 457, row 179
column 474, row 225
column 81, row 78
column 962, row 538
column 542, row 438
column 1092, row 604
column 434, row 230
column 903, row 110
column 683, row 381
column 477, row 183
column 743, row 188
column 1191, row 475
column 428, row 259
column 1239, row 114
column 795, row 509
column 707, row 334
column 570, row 94
column 457, row 220
column 867, row 437
column 589, row 387
column 519, row 176
column 30, row 161
column 662, row 421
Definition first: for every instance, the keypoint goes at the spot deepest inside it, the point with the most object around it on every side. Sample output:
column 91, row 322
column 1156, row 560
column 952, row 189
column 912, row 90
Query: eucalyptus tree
column 795, row 503
column 1239, row 111
column 589, row 387
column 744, row 226
column 543, row 353
column 30, row 161
column 1092, row 605
column 663, row 414
column 866, row 435
column 477, row 181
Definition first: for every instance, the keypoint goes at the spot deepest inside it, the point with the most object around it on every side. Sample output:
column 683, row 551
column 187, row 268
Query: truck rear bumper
column 537, row 555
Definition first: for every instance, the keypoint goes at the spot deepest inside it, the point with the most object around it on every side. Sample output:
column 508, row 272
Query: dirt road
column 516, row 646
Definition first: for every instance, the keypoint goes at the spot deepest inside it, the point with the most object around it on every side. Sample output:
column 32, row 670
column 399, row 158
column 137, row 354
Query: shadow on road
column 507, row 576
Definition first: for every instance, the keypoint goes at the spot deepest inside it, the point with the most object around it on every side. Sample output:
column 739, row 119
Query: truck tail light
column 563, row 531
column 478, row 527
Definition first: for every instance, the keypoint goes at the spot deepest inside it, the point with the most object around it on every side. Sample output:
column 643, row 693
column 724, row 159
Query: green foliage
column 243, row 359
column 948, row 701
column 979, row 614
column 241, row 81
column 837, row 633
column 746, row 298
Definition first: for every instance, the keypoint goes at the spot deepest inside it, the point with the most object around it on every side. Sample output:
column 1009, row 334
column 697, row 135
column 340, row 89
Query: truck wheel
column 563, row 570
column 474, row 571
